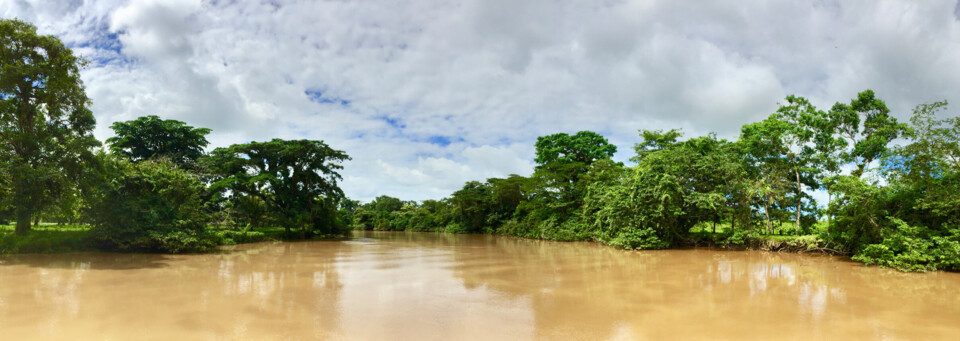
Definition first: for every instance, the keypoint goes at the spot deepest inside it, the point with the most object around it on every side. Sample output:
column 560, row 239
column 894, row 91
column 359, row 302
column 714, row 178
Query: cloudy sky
column 428, row 94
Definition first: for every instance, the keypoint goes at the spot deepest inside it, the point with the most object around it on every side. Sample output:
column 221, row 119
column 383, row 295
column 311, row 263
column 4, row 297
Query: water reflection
column 424, row 286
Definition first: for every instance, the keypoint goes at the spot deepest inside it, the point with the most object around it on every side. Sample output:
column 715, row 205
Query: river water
column 426, row 286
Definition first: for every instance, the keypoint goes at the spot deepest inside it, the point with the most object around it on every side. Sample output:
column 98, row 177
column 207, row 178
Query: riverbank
column 52, row 238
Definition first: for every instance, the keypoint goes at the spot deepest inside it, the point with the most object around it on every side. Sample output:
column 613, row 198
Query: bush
column 912, row 248
column 638, row 239
column 148, row 206
column 230, row 237
column 455, row 228
column 738, row 238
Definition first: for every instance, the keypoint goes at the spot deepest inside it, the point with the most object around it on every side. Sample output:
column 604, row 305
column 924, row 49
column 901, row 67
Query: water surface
column 426, row 286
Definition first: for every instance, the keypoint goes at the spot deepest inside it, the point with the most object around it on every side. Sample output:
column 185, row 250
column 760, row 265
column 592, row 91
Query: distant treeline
column 895, row 205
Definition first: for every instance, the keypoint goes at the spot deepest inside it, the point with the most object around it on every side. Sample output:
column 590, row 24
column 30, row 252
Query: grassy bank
column 53, row 238
column 45, row 238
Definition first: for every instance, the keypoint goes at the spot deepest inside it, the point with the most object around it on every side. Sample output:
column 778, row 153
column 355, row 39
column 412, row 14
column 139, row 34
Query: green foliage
column 149, row 137
column 244, row 235
column 738, row 238
column 296, row 179
column 912, row 248
column 148, row 206
column 584, row 147
column 655, row 140
column 867, row 126
column 45, row 125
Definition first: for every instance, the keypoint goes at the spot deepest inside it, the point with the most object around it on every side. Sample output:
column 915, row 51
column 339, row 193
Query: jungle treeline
column 893, row 188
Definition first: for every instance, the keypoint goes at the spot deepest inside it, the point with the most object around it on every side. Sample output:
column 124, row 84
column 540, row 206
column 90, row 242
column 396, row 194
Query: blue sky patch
column 316, row 96
column 394, row 122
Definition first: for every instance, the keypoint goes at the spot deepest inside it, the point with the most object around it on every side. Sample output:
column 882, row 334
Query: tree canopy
column 584, row 147
column 297, row 179
column 150, row 137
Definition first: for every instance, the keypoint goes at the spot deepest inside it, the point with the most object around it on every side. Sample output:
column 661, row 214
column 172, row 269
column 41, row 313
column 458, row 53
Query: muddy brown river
column 426, row 286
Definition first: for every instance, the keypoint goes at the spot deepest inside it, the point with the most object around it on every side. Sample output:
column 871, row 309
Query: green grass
column 46, row 238
column 783, row 235
column 53, row 238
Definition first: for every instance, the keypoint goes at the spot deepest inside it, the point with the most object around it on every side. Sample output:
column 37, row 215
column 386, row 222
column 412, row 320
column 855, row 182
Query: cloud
column 426, row 95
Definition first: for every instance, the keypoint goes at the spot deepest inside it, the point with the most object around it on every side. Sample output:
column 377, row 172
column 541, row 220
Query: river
column 427, row 286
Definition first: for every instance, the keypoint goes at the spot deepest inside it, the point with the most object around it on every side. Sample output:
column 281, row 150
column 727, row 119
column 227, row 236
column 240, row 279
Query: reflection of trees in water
column 596, row 292
column 572, row 290
column 265, row 291
column 576, row 290
column 288, row 290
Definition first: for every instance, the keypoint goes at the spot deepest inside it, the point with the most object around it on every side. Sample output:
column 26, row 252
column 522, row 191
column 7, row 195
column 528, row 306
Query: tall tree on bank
column 763, row 144
column 803, row 122
column 297, row 179
column 561, row 160
column 867, row 126
column 149, row 137
column 45, row 125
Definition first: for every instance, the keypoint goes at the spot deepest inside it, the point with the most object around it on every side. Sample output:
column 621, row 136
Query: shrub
column 738, row 237
column 912, row 248
column 637, row 239
column 148, row 206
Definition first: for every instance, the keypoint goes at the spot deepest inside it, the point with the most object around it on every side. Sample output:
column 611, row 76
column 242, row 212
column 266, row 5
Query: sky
column 425, row 95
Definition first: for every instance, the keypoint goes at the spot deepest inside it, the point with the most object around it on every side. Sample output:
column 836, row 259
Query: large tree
column 45, row 125
column 763, row 143
column 150, row 137
column 806, row 138
column 584, row 147
column 297, row 179
column 561, row 160
column 867, row 126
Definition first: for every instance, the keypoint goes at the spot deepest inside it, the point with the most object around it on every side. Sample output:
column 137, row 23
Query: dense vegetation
column 893, row 188
column 155, row 190
column 903, row 213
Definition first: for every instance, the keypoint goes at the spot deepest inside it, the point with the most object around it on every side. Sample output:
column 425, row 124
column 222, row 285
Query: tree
column 561, row 160
column 654, row 140
column 763, row 143
column 297, row 179
column 45, row 125
column 149, row 137
column 471, row 206
column 148, row 206
column 584, row 147
column 5, row 197
column 867, row 126
column 803, row 123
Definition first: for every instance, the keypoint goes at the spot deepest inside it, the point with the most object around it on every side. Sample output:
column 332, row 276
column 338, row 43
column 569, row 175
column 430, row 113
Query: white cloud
column 425, row 95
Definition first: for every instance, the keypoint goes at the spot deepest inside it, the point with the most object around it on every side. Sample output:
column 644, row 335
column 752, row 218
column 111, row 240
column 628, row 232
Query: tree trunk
column 829, row 209
column 23, row 222
column 799, row 194
column 766, row 212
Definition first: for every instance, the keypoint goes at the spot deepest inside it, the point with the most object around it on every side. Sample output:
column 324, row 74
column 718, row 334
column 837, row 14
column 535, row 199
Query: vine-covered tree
column 45, row 125
column 297, row 179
